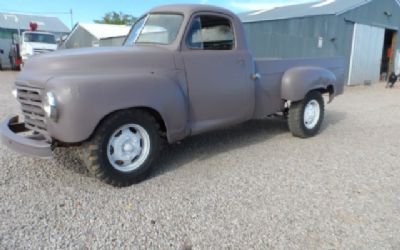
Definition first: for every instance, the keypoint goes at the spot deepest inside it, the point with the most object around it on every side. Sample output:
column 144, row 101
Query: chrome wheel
column 128, row 147
column 312, row 113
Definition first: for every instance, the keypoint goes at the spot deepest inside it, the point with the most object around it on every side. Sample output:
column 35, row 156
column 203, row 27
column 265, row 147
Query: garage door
column 365, row 61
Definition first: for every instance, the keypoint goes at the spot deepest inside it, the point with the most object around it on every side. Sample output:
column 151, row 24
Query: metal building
column 12, row 23
column 91, row 34
column 362, row 31
column 112, row 41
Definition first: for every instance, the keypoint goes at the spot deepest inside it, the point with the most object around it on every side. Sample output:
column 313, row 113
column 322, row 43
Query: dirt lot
column 252, row 186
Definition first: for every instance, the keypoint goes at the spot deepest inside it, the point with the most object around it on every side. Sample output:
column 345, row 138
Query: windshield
column 39, row 38
column 155, row 29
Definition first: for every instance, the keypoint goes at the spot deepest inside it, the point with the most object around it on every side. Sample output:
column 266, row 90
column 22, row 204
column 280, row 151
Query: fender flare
column 298, row 81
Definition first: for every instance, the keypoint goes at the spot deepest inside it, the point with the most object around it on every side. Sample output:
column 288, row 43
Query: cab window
column 208, row 32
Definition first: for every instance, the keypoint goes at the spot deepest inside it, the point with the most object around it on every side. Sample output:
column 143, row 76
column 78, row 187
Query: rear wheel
column 123, row 148
column 306, row 116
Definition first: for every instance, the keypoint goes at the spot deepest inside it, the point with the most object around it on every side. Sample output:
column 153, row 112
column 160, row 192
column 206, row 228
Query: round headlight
column 50, row 106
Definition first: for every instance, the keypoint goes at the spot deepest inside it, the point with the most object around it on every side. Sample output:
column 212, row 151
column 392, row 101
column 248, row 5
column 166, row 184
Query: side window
column 211, row 33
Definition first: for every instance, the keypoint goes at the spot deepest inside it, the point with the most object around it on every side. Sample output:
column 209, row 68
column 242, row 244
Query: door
column 366, row 55
column 220, row 89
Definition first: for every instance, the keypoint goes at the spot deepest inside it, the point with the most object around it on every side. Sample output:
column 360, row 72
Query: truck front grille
column 32, row 109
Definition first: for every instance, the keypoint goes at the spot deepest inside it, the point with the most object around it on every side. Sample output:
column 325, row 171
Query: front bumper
column 32, row 145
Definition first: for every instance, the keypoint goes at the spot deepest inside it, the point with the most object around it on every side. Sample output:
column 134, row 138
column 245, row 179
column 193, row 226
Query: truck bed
column 268, row 88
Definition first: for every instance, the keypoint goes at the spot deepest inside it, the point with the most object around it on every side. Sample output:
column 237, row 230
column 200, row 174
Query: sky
column 89, row 10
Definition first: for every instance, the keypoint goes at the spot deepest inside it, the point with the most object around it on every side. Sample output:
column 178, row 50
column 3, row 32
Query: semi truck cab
column 35, row 42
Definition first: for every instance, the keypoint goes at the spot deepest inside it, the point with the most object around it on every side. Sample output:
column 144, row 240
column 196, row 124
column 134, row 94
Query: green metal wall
column 298, row 37
column 374, row 14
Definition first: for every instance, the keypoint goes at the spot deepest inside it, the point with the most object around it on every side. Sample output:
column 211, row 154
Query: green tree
column 117, row 18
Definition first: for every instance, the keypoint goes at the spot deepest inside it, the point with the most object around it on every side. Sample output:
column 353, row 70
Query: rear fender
column 299, row 81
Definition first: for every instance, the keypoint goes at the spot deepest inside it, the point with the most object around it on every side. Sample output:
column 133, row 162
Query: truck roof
column 190, row 8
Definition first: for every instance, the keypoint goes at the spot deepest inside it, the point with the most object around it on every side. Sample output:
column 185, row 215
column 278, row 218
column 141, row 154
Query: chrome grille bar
column 31, row 105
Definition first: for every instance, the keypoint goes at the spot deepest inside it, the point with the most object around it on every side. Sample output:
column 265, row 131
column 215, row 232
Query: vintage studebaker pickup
column 183, row 70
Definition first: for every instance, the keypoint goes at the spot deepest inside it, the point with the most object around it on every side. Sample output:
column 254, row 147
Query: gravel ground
column 252, row 186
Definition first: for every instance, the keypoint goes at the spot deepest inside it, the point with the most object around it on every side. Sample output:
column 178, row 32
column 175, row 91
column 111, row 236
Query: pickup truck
column 183, row 70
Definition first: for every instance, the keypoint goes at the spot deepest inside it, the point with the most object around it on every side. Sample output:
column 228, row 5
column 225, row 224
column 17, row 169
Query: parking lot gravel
column 252, row 186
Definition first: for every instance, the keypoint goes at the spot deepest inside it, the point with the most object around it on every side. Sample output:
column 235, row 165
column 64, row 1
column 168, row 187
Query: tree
column 117, row 18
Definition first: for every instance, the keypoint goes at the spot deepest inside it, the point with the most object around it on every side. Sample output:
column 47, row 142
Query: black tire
column 94, row 153
column 296, row 121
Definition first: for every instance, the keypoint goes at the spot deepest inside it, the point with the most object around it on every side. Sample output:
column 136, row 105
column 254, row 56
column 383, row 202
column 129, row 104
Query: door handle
column 255, row 76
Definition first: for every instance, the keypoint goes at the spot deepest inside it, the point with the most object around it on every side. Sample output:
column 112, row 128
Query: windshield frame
column 146, row 17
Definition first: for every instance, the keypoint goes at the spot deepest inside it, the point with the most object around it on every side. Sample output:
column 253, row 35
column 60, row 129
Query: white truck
column 31, row 43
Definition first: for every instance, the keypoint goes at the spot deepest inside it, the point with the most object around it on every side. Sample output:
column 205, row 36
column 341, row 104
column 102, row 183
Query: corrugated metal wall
column 318, row 36
column 112, row 41
column 299, row 37
column 367, row 53
column 373, row 14
column 80, row 38
column 5, row 45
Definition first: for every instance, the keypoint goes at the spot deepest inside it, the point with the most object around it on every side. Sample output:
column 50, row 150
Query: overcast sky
column 89, row 10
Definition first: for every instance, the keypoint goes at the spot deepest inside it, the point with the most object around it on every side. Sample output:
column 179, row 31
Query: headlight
column 50, row 106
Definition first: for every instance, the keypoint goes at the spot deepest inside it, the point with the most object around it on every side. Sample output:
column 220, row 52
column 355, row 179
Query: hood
column 95, row 61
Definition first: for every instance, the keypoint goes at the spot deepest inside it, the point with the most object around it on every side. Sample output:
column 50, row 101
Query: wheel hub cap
column 312, row 114
column 128, row 147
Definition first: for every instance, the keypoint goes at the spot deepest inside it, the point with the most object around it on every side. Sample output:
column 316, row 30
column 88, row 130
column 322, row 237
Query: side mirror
column 1, row 51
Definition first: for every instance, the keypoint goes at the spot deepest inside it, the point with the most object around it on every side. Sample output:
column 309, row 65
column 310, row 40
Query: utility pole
column 72, row 18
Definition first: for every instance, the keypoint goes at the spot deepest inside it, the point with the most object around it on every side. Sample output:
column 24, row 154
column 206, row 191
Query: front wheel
column 123, row 148
column 306, row 116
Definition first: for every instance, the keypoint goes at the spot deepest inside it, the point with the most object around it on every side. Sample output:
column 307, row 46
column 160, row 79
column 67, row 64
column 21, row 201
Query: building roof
column 21, row 21
column 316, row 8
column 101, row 31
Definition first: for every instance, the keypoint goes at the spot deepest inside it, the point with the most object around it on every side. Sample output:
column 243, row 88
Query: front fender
column 298, row 81
column 85, row 100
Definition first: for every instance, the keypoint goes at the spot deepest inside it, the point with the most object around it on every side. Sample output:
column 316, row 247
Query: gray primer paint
column 193, row 91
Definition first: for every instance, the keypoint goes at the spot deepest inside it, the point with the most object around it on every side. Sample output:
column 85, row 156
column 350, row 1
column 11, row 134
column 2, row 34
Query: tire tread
column 90, row 150
column 295, row 117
